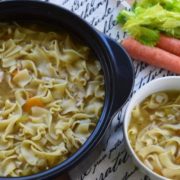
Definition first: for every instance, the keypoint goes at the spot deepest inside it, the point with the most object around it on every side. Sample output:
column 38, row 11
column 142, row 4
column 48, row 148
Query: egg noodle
column 51, row 97
column 154, row 133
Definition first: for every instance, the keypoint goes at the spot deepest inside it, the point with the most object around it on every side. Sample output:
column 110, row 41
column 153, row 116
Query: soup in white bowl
column 151, row 128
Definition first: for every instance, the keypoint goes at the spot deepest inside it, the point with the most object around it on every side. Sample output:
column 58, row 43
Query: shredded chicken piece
column 1, row 76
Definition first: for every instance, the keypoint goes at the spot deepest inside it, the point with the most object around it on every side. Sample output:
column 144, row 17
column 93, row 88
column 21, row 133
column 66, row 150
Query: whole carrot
column 169, row 44
column 152, row 55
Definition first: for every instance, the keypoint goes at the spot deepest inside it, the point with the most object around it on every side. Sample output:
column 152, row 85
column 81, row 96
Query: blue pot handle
column 124, row 73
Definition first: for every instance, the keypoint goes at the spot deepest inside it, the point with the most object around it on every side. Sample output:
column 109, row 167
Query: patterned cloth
column 114, row 163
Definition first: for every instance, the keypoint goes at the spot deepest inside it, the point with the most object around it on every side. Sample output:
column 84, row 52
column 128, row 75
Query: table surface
column 114, row 161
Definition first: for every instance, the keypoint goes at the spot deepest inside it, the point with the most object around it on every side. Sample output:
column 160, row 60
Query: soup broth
column 51, row 97
column 154, row 133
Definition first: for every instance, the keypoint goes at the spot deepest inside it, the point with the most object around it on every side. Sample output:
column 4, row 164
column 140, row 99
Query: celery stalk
column 150, row 17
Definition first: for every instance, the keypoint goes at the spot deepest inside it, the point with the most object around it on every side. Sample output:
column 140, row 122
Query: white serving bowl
column 160, row 84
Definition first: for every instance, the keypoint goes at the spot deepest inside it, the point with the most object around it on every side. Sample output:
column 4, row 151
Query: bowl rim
column 127, row 120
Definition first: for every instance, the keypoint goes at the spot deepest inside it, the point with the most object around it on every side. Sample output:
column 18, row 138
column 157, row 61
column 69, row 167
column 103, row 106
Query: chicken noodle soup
column 51, row 97
column 154, row 133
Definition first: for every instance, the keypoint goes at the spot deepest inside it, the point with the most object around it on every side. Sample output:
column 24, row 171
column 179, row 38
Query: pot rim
column 103, row 121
